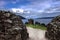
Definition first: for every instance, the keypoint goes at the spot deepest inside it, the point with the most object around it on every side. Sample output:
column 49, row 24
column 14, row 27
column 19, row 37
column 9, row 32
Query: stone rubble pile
column 11, row 27
column 53, row 29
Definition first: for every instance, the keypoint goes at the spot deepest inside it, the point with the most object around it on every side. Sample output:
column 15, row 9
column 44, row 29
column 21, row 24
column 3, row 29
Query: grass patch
column 36, row 26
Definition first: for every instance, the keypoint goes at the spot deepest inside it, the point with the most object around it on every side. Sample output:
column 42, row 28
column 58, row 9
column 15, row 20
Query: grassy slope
column 37, row 26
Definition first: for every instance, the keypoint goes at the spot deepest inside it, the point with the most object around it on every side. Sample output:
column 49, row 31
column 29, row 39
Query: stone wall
column 53, row 29
column 11, row 27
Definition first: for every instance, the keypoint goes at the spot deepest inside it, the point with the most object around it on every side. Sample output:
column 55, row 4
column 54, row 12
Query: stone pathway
column 36, row 34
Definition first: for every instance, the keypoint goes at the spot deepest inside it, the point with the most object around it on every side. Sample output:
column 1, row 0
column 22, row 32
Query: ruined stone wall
column 11, row 27
column 53, row 29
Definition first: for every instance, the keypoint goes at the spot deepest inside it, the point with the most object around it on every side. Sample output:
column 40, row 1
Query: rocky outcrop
column 11, row 27
column 53, row 29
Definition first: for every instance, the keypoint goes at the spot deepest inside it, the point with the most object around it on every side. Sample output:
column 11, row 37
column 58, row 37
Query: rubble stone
column 53, row 29
column 11, row 27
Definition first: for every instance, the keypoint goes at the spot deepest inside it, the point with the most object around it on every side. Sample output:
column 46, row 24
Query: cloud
column 36, row 8
column 17, row 10
column 20, row 11
column 40, row 5
column 52, row 10
column 37, row 5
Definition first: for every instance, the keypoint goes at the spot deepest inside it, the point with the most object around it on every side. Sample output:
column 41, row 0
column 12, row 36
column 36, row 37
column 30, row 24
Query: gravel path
column 36, row 34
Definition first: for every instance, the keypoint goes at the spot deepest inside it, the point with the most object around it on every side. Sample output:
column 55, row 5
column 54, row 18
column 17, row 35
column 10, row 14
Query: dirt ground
column 36, row 34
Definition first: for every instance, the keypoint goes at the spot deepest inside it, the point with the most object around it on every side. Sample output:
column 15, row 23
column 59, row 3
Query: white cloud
column 40, row 11
column 38, row 7
column 26, row 11
column 31, row 16
column 17, row 10
column 20, row 11
column 52, row 10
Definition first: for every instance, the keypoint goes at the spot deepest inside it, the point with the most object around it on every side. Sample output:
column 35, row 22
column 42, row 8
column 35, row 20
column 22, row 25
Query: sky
column 32, row 8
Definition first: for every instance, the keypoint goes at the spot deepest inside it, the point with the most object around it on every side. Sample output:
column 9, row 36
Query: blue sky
column 32, row 8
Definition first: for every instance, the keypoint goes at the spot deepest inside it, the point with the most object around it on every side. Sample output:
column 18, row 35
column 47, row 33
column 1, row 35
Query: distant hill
column 46, row 18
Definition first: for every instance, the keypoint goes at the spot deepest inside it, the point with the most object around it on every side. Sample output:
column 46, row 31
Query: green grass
column 36, row 26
